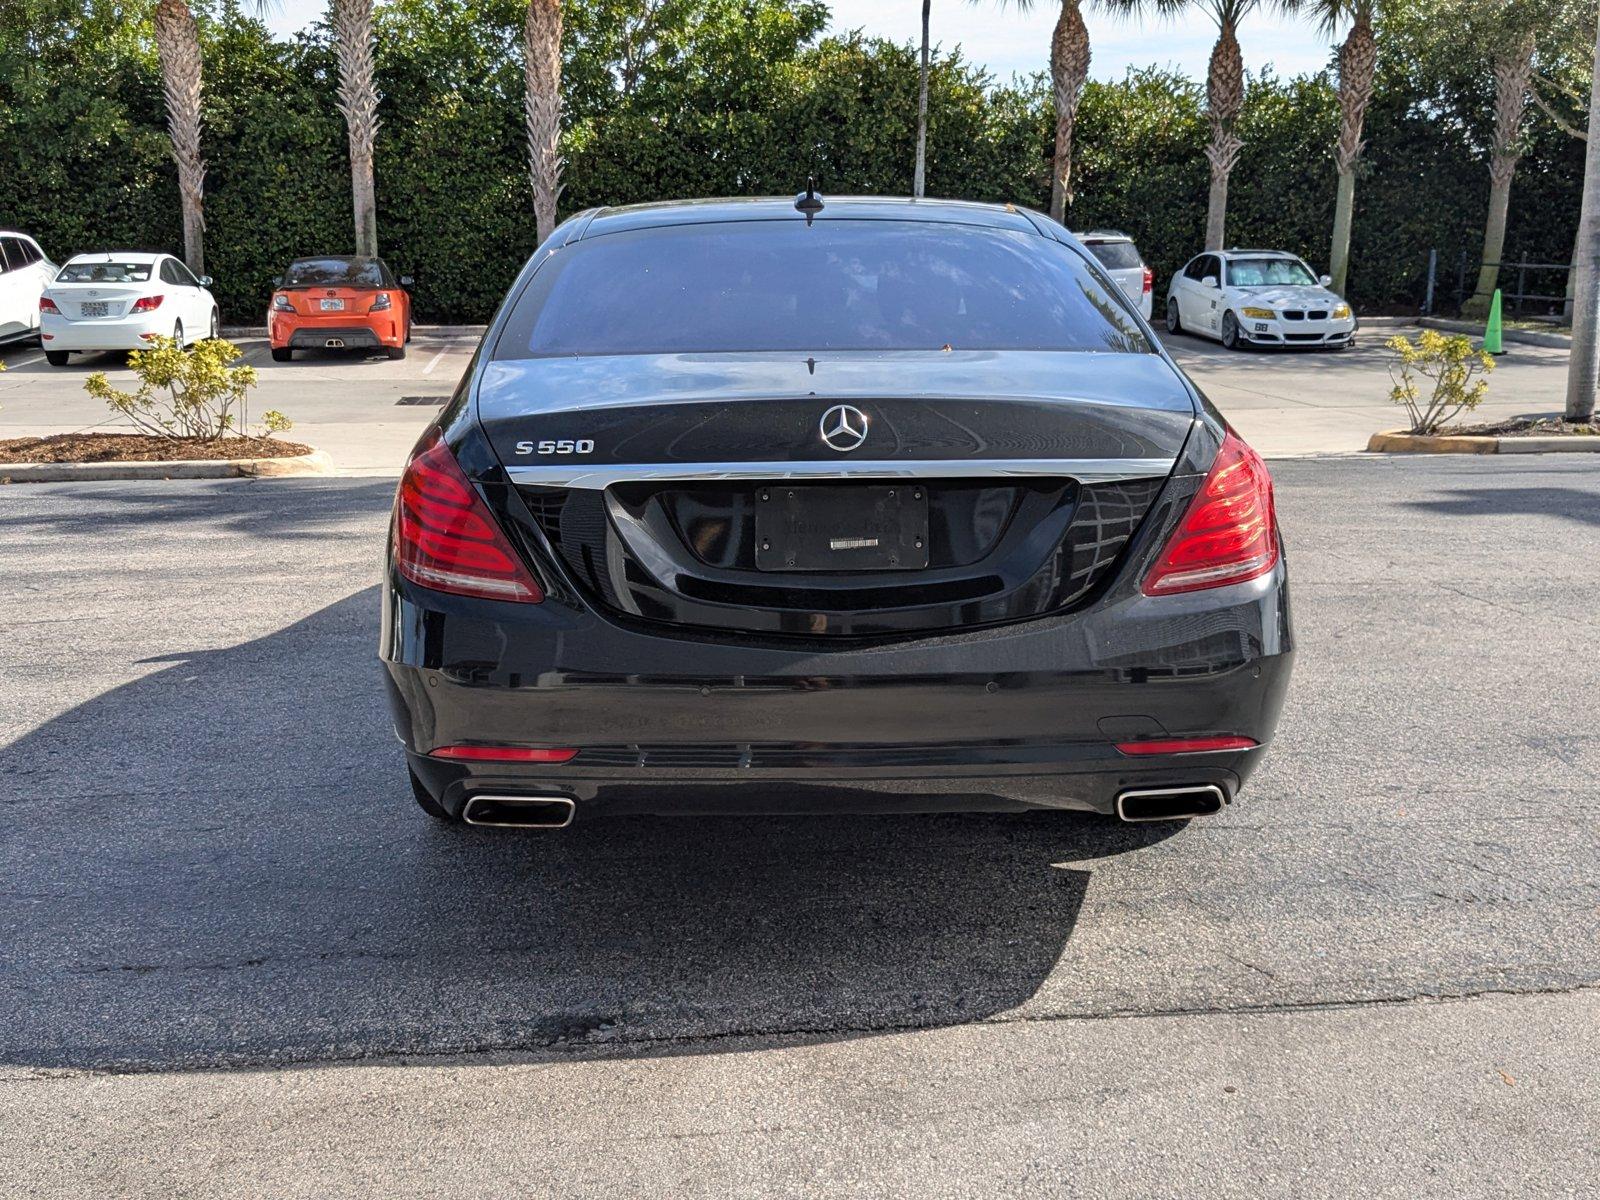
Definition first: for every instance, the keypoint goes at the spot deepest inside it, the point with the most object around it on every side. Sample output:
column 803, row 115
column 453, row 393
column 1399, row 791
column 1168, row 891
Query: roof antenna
column 808, row 201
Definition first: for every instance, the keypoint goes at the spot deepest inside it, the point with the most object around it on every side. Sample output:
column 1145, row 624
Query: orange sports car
column 338, row 302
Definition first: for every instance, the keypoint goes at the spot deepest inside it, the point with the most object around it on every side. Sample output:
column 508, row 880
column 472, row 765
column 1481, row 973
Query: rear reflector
column 445, row 537
column 1199, row 745
column 517, row 754
column 1230, row 532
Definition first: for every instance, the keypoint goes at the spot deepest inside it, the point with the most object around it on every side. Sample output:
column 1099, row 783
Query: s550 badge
column 561, row 446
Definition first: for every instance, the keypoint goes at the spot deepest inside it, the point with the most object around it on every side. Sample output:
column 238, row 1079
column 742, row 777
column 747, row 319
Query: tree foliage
column 678, row 98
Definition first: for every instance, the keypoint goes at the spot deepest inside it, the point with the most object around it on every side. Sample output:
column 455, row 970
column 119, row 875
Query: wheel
column 214, row 325
column 1230, row 331
column 282, row 354
column 1174, row 317
column 396, row 351
column 177, row 334
column 428, row 804
column 57, row 358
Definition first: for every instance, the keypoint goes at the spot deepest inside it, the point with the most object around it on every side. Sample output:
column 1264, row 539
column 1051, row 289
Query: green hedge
column 730, row 97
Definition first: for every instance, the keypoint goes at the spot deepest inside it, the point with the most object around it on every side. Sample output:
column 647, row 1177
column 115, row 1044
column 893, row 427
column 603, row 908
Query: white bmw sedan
column 120, row 300
column 1257, row 297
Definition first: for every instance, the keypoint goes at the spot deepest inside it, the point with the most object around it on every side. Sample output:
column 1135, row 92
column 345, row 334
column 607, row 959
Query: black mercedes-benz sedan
column 772, row 506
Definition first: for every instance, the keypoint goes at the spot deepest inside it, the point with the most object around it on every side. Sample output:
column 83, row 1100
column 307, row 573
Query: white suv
column 24, row 271
column 1122, row 261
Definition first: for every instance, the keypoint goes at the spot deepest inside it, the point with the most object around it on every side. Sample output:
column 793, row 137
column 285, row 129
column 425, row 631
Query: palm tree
column 919, row 176
column 1358, row 59
column 1224, row 94
column 1512, row 67
column 542, row 108
column 178, row 48
column 1069, row 71
column 1582, row 366
column 358, row 101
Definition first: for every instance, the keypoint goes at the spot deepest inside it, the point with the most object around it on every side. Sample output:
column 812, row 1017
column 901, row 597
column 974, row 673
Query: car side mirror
column 1325, row 280
column 205, row 281
column 406, row 281
column 277, row 281
column 1209, row 281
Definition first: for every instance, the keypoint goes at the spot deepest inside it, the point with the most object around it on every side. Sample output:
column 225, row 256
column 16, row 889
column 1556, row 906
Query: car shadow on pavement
column 1570, row 503
column 220, row 864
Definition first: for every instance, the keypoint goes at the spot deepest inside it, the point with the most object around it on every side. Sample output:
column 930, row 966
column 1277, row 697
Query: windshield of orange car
column 334, row 272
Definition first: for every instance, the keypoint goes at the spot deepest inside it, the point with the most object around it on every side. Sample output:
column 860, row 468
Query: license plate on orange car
column 333, row 306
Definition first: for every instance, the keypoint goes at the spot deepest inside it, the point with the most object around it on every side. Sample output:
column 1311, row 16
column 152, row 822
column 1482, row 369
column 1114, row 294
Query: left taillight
column 1229, row 533
column 445, row 537
column 48, row 305
column 1149, row 280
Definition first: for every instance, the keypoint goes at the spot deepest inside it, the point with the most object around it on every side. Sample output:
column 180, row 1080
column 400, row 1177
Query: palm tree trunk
column 1583, row 366
column 358, row 101
column 1069, row 70
column 1357, row 62
column 542, row 108
column 920, row 175
column 178, row 47
column 1513, row 73
column 1224, row 101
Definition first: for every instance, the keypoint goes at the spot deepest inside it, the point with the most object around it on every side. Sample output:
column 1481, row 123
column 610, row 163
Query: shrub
column 1450, row 364
column 193, row 394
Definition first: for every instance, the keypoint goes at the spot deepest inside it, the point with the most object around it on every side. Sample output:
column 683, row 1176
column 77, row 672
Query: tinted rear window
column 105, row 272
column 836, row 285
column 334, row 272
column 1115, row 256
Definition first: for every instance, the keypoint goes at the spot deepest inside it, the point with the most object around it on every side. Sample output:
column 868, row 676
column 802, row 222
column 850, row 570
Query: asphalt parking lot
column 367, row 411
column 1376, row 974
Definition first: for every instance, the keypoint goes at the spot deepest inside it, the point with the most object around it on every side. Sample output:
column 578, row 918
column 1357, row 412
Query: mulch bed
column 1525, row 427
column 140, row 447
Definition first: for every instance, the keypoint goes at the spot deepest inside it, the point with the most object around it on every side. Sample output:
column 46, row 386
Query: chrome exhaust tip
column 334, row 343
column 1170, row 803
column 519, row 812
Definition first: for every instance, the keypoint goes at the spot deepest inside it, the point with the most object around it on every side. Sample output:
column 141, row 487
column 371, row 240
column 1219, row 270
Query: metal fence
column 1550, row 302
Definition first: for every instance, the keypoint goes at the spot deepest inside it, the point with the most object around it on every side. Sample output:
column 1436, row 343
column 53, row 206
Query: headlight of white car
column 1341, row 311
column 1258, row 314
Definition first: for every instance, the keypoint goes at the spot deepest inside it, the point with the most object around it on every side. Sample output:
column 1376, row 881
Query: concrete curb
column 1397, row 441
column 433, row 331
column 315, row 463
column 1528, row 337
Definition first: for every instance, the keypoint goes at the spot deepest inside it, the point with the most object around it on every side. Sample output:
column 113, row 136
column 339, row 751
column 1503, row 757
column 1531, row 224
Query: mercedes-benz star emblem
column 844, row 427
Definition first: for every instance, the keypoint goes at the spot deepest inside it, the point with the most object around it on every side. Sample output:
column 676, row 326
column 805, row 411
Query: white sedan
column 120, row 300
column 1257, row 297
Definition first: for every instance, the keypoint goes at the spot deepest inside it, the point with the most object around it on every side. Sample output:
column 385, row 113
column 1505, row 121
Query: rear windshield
column 835, row 285
column 334, row 272
column 105, row 272
column 1115, row 256
column 1269, row 272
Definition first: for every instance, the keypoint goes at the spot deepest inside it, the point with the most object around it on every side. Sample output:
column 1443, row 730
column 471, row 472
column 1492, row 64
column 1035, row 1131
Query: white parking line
column 23, row 362
column 434, row 361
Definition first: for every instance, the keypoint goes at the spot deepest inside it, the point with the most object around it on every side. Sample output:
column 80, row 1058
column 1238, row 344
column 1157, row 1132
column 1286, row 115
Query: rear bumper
column 105, row 333
column 353, row 330
column 1019, row 716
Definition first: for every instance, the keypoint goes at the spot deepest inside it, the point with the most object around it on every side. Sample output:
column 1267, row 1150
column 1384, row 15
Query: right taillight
column 1149, row 280
column 445, row 537
column 146, row 304
column 1229, row 533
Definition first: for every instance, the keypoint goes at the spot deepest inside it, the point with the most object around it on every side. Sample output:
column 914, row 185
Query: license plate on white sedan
column 94, row 308
column 333, row 306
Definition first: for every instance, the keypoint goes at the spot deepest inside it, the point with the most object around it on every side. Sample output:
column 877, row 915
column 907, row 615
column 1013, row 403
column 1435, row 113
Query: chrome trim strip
column 1085, row 470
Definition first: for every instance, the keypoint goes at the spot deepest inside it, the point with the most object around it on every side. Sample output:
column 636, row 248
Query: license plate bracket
column 841, row 528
